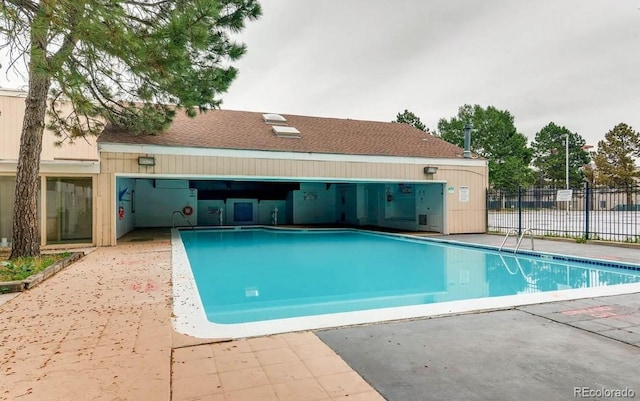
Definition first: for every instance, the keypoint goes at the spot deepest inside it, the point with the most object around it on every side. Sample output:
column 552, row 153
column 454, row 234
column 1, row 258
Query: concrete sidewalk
column 98, row 330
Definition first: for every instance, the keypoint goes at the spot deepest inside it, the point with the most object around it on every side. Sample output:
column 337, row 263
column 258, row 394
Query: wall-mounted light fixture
column 146, row 160
column 430, row 170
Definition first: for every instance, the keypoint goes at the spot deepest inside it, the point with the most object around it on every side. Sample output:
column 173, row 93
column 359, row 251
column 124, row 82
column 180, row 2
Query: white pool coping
column 190, row 317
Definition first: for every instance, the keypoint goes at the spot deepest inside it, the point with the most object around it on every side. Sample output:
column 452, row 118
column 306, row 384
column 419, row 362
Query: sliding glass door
column 7, row 199
column 69, row 210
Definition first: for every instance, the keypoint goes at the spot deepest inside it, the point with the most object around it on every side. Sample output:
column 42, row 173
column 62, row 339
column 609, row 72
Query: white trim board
column 331, row 180
column 56, row 167
column 265, row 154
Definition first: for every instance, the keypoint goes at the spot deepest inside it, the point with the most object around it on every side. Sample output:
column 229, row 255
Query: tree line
column 513, row 163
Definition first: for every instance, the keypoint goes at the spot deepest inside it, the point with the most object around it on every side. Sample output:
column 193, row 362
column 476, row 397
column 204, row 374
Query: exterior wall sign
column 463, row 194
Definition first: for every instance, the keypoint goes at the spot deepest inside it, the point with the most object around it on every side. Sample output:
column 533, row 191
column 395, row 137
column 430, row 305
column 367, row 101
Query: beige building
column 68, row 175
column 233, row 167
column 238, row 168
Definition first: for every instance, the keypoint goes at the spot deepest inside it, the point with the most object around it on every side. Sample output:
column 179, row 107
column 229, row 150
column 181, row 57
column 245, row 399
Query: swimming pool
column 238, row 282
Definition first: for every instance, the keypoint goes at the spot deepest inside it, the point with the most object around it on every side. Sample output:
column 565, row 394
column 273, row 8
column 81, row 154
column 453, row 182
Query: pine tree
column 132, row 63
column 408, row 117
column 550, row 153
column 615, row 159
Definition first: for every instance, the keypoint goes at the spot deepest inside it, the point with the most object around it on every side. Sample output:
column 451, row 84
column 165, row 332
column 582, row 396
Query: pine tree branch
column 149, row 5
column 23, row 5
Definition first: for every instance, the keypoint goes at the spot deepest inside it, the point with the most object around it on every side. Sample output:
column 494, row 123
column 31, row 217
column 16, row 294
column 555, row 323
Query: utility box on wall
column 422, row 219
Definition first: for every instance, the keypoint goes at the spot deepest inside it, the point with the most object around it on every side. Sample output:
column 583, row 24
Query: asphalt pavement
column 583, row 349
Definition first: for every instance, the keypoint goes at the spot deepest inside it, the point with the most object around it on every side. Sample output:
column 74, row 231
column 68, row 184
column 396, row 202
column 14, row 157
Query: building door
column 69, row 210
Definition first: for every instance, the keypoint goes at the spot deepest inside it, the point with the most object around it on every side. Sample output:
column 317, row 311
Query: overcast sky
column 573, row 62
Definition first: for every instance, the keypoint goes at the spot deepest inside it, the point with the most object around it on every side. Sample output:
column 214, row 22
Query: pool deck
column 622, row 252
column 101, row 330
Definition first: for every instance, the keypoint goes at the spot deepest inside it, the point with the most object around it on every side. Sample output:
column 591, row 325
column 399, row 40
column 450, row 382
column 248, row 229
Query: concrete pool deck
column 621, row 252
column 101, row 330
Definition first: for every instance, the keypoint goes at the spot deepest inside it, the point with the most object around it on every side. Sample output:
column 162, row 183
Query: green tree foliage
column 130, row 62
column 495, row 138
column 615, row 165
column 408, row 117
column 549, row 157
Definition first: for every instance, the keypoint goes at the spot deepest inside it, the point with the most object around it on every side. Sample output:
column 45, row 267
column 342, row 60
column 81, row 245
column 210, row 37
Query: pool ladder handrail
column 513, row 230
column 173, row 219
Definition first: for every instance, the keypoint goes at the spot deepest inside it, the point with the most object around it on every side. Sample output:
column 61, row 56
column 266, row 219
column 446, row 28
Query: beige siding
column 11, row 115
column 12, row 112
column 469, row 216
column 106, row 210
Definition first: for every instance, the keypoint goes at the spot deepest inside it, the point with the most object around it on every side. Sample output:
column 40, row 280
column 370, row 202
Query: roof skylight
column 286, row 132
column 271, row 118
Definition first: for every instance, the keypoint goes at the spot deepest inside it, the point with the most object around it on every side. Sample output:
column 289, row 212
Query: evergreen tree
column 615, row 164
column 495, row 138
column 408, row 117
column 549, row 156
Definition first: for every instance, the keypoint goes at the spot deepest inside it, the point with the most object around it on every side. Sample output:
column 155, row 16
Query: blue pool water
column 249, row 275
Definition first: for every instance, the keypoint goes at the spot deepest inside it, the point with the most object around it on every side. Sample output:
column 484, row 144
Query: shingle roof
column 226, row 129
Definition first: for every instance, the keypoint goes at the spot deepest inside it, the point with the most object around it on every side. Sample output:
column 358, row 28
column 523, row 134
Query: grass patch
column 21, row 268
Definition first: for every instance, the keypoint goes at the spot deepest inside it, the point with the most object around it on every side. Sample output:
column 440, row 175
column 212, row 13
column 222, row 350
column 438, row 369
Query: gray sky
column 573, row 62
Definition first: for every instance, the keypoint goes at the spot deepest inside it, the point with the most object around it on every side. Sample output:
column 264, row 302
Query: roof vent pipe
column 467, row 141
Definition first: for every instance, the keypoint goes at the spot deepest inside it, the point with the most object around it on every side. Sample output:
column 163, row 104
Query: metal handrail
column 173, row 219
column 526, row 230
column 513, row 230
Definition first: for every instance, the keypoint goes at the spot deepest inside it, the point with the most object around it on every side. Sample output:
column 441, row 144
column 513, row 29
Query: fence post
column 519, row 210
column 486, row 210
column 587, row 211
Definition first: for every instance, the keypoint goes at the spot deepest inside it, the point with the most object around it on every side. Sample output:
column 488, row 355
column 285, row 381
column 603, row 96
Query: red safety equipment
column 121, row 212
column 187, row 210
